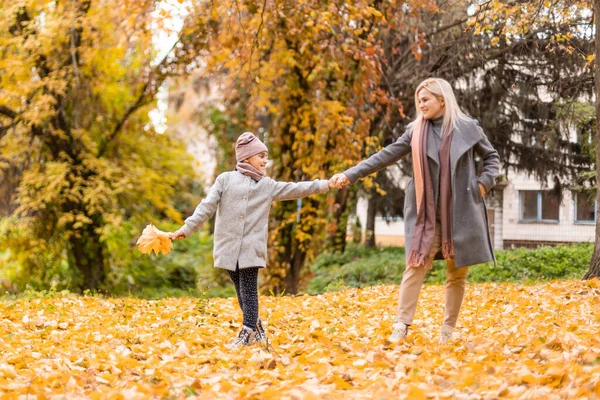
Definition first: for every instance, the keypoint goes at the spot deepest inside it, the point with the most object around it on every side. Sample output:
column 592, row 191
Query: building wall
column 563, row 231
column 498, row 231
column 389, row 234
column 386, row 234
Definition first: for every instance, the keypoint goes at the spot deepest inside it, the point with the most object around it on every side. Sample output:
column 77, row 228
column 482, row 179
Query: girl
column 444, row 211
column 242, row 200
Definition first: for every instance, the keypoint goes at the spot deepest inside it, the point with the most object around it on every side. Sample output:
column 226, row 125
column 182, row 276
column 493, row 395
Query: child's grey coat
column 470, row 232
column 242, row 206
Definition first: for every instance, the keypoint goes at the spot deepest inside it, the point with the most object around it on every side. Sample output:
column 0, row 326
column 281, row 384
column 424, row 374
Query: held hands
column 338, row 181
column 178, row 235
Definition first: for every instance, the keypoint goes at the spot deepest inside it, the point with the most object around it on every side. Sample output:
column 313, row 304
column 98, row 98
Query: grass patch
column 360, row 267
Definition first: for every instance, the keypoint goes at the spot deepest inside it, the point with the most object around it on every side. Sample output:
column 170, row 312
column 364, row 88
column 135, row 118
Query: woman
column 444, row 212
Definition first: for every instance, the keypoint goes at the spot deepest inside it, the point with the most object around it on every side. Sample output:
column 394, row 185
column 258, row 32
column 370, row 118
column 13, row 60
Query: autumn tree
column 305, row 76
column 559, row 27
column 77, row 80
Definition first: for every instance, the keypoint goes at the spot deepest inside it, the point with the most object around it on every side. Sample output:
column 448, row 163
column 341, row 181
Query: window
column 529, row 205
column 585, row 209
column 538, row 206
column 550, row 206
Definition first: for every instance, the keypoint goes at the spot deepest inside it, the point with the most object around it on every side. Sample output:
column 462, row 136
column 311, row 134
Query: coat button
column 241, row 217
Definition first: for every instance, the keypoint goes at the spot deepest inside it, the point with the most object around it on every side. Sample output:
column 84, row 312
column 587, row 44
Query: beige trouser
column 412, row 280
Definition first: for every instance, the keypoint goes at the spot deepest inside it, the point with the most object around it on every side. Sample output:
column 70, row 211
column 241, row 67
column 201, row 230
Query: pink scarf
column 424, row 231
column 248, row 170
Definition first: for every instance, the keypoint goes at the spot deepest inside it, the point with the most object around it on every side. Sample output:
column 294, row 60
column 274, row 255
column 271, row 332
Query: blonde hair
column 441, row 89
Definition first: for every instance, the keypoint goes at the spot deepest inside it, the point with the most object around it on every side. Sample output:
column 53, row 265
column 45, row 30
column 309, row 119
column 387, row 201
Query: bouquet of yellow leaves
column 153, row 239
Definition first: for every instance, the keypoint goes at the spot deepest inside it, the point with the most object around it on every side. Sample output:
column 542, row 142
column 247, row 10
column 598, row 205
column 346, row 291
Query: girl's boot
column 244, row 338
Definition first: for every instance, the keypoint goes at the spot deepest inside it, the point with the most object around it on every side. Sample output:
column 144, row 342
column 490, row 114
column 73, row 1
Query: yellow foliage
column 530, row 16
column 78, row 80
column 153, row 239
column 314, row 69
column 516, row 341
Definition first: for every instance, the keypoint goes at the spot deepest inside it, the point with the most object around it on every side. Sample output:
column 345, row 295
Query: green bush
column 42, row 266
column 534, row 265
column 359, row 267
column 186, row 270
column 356, row 267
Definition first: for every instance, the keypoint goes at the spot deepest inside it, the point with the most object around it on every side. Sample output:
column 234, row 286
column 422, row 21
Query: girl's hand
column 481, row 189
column 178, row 235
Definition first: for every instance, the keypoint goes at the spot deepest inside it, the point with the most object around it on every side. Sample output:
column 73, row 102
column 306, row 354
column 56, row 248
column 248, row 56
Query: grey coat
column 470, row 233
column 242, row 206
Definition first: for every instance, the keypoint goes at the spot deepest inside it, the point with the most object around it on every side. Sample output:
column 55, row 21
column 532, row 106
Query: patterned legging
column 245, row 281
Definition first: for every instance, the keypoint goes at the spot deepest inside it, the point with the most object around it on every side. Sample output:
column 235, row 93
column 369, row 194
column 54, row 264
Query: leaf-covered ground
column 515, row 341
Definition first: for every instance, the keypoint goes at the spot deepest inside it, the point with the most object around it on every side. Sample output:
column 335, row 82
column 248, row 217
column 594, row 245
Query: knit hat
column 247, row 146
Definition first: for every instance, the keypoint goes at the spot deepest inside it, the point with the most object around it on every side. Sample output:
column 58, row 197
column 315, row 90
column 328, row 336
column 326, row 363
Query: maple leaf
column 153, row 239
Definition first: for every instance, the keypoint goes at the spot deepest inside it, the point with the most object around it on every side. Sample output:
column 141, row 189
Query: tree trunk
column 86, row 254
column 286, row 256
column 292, row 278
column 298, row 254
column 371, row 214
column 594, row 271
column 337, row 238
column 9, row 183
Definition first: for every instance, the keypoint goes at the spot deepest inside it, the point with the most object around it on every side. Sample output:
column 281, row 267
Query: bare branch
column 8, row 112
column 447, row 27
column 5, row 128
column 239, row 14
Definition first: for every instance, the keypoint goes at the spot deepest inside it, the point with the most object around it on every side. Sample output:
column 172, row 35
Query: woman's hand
column 178, row 235
column 339, row 181
column 481, row 189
